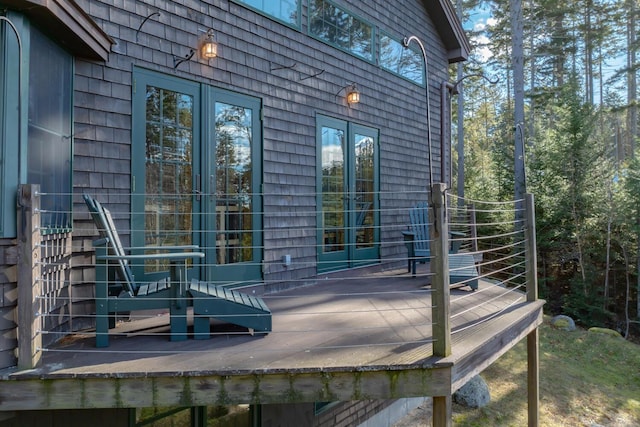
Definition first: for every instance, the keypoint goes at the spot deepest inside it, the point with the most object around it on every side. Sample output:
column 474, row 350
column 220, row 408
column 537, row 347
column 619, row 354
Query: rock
column 605, row 331
column 474, row 394
column 563, row 322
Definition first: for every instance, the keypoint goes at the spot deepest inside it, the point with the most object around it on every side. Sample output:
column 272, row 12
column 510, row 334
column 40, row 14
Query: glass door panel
column 168, row 204
column 234, row 184
column 333, row 190
column 364, row 191
column 233, row 233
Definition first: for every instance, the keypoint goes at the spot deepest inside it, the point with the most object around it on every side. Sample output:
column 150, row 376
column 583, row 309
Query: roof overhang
column 66, row 23
column 450, row 29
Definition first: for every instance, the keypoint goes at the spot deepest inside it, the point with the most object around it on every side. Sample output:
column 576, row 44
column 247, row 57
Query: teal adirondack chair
column 118, row 292
column 417, row 237
column 462, row 268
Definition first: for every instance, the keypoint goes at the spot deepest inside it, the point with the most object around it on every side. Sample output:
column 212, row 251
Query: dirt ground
column 419, row 417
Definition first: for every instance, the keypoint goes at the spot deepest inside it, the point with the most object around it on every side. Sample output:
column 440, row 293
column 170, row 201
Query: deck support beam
column 442, row 411
column 533, row 378
column 533, row 362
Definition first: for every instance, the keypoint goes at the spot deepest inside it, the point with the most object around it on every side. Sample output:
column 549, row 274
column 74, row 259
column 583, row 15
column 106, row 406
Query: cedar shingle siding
column 256, row 58
column 251, row 45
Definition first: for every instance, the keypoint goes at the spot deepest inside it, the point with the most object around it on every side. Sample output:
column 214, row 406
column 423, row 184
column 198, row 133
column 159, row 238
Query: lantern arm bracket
column 302, row 76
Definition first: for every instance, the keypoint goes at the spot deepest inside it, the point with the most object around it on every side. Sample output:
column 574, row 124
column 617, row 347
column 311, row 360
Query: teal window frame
column 329, row 21
column 50, row 136
column 11, row 154
column 265, row 7
column 18, row 159
column 406, row 62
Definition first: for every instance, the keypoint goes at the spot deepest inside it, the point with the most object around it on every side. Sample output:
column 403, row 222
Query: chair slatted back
column 419, row 226
column 107, row 229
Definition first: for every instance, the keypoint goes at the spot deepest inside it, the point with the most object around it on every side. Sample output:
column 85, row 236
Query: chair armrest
column 164, row 248
column 177, row 256
column 409, row 236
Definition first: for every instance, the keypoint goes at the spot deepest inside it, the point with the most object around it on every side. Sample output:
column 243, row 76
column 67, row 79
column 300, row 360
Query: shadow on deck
column 365, row 337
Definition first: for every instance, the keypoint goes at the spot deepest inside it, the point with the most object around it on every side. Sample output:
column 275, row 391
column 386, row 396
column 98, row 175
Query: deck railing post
column 29, row 273
column 441, row 416
column 531, row 260
column 440, row 263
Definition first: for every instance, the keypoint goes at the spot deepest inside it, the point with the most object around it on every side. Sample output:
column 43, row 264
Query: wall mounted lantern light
column 207, row 49
column 208, row 46
column 352, row 93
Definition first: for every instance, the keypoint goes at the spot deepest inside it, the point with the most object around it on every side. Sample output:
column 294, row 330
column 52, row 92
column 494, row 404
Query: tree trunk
column 632, row 97
column 517, row 55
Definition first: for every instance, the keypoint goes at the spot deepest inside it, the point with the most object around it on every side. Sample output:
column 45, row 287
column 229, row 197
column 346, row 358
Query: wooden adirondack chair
column 117, row 290
column 462, row 268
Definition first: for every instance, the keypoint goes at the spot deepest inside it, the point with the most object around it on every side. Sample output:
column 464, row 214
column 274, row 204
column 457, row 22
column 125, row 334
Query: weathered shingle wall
column 251, row 45
column 8, row 302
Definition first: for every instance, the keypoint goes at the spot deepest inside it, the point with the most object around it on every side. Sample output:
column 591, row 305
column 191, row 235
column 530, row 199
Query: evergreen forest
column 550, row 107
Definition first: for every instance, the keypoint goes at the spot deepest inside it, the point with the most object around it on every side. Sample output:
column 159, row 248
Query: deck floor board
column 376, row 323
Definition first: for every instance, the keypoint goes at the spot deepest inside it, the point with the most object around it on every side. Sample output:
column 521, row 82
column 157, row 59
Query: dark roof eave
column 450, row 29
column 66, row 23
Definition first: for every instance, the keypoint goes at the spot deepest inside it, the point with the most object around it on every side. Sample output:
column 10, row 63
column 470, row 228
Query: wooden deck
column 340, row 339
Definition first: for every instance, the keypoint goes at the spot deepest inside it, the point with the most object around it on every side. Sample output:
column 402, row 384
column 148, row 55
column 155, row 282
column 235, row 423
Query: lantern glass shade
column 209, row 48
column 353, row 96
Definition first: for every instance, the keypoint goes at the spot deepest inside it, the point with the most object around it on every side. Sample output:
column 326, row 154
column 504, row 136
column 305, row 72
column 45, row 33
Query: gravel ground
column 419, row 417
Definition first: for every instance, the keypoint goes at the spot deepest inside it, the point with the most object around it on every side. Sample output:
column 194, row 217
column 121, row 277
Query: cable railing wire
column 500, row 266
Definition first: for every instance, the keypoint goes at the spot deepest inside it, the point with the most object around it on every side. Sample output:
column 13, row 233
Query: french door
column 348, row 231
column 195, row 169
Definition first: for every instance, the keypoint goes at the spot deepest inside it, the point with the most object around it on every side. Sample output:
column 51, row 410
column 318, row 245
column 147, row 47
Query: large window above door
column 287, row 11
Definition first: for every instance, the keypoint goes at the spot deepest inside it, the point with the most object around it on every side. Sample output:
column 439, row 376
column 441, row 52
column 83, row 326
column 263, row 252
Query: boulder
column 606, row 332
column 474, row 394
column 563, row 322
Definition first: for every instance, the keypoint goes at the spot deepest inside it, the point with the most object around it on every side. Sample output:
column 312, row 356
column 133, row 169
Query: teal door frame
column 348, row 232
column 208, row 212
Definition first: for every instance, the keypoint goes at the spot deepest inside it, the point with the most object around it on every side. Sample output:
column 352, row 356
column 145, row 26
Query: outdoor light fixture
column 353, row 94
column 209, row 47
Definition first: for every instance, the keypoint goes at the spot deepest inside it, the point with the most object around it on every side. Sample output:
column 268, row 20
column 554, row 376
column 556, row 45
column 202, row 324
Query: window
column 340, row 28
column 287, row 11
column 41, row 155
column 400, row 60
column 49, row 129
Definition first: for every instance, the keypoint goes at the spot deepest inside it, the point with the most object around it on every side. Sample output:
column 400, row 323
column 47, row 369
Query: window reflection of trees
column 333, row 189
column 234, row 185
column 364, row 193
column 168, row 171
column 339, row 27
column 406, row 62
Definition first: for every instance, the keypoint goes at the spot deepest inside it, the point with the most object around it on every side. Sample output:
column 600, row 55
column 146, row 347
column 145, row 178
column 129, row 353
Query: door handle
column 197, row 191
